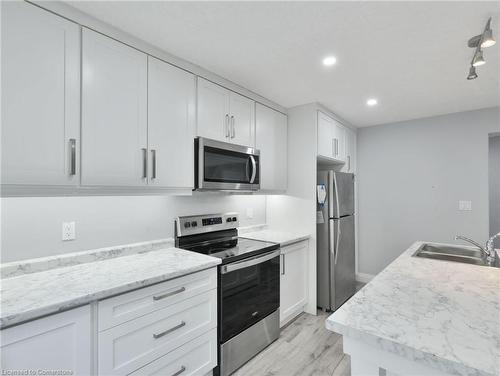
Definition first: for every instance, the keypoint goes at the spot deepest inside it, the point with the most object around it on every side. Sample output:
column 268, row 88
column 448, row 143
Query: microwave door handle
column 254, row 169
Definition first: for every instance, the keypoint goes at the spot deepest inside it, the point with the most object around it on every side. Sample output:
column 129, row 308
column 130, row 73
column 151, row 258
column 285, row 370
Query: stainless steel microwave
column 221, row 166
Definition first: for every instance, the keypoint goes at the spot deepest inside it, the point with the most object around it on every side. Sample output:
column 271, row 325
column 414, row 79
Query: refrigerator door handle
column 337, row 241
column 330, row 241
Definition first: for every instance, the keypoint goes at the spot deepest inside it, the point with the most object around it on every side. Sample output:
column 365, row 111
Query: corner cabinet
column 293, row 281
column 59, row 342
column 224, row 115
column 271, row 139
column 114, row 112
column 40, row 97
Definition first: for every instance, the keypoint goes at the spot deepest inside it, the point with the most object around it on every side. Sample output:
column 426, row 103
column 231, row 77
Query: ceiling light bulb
column 472, row 73
column 478, row 59
column 329, row 61
column 488, row 39
column 371, row 102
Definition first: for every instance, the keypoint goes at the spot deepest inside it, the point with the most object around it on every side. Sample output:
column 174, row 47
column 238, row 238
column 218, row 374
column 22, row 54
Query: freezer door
column 342, row 264
column 341, row 194
column 323, row 249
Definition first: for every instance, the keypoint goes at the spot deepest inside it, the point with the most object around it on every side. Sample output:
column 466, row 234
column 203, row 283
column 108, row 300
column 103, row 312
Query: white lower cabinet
column 293, row 281
column 60, row 342
column 197, row 357
column 159, row 329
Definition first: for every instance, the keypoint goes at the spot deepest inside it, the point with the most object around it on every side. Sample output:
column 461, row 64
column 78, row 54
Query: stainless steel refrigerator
column 335, row 240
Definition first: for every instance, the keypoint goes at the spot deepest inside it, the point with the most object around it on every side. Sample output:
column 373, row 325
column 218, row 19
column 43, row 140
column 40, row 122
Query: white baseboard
column 364, row 277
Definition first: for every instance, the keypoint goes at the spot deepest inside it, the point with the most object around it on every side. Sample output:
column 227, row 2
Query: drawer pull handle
column 182, row 369
column 166, row 295
column 156, row 336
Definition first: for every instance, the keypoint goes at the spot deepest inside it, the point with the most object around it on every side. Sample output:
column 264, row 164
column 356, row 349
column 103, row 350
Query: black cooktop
column 233, row 249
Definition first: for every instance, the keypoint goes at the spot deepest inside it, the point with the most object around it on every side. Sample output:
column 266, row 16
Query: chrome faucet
column 488, row 251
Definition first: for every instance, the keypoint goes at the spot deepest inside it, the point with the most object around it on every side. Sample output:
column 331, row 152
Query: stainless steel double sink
column 466, row 255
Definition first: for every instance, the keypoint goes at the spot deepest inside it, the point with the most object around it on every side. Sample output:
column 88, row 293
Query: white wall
column 31, row 227
column 411, row 176
column 494, row 186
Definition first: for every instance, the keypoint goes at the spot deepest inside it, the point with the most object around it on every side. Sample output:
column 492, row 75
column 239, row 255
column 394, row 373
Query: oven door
column 249, row 292
column 224, row 166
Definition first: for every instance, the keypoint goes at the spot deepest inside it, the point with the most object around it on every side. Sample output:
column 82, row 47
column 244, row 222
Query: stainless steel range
column 248, row 309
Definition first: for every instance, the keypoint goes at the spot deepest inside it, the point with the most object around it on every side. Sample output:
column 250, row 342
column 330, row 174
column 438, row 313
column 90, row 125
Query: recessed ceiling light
column 329, row 61
column 371, row 102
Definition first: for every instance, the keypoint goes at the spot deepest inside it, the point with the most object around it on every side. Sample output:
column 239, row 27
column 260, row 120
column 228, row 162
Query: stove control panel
column 191, row 225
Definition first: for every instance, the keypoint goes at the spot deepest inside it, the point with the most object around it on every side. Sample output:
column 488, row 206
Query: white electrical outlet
column 465, row 205
column 68, row 231
column 249, row 213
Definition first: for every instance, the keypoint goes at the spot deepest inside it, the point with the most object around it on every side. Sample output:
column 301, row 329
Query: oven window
column 248, row 295
column 227, row 166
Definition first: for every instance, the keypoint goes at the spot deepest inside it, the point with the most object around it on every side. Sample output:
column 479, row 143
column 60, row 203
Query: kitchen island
column 423, row 317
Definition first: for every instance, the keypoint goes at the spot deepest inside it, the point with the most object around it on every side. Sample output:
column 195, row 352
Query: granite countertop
column 445, row 315
column 282, row 238
column 31, row 295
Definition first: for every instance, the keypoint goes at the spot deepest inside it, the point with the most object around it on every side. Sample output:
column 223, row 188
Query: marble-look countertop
column 445, row 315
column 32, row 295
column 280, row 237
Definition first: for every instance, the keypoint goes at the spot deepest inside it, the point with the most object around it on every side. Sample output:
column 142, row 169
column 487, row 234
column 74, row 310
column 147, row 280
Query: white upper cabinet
column 271, row 140
column 213, row 111
column 171, row 125
column 224, row 115
column 350, row 154
column 114, row 113
column 242, row 120
column 40, row 97
column 331, row 137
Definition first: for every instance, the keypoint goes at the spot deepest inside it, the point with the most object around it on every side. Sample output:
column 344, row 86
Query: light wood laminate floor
column 305, row 347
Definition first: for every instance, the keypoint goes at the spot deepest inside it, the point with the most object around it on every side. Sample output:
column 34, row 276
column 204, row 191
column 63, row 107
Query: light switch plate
column 68, row 231
column 464, row 205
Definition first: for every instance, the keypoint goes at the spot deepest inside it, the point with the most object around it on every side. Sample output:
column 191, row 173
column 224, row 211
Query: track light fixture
column 479, row 42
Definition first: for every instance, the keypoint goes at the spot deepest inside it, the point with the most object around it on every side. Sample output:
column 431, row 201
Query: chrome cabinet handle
column 283, row 269
column 254, row 169
column 144, row 163
column 182, row 369
column 153, row 164
column 166, row 295
column 348, row 163
column 72, row 160
column 159, row 335
column 226, row 126
column 333, row 147
column 336, row 147
column 233, row 131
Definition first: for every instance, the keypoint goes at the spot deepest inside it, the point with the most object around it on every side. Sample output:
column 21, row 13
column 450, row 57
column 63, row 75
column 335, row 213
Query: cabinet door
column 325, row 135
column 350, row 154
column 40, row 96
column 56, row 342
column 171, row 123
column 213, row 111
column 242, row 121
column 271, row 140
column 114, row 112
column 338, row 141
column 293, row 281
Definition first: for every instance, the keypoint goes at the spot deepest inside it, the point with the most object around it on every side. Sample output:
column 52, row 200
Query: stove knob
column 234, row 219
column 187, row 225
column 194, row 224
column 228, row 219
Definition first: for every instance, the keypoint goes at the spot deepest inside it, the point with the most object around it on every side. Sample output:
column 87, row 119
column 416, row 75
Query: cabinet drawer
column 197, row 357
column 122, row 308
column 294, row 246
column 127, row 347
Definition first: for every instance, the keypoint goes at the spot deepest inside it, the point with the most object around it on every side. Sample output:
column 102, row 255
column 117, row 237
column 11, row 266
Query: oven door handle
column 251, row 262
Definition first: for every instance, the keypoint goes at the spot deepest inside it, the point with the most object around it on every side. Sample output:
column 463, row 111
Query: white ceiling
column 411, row 56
